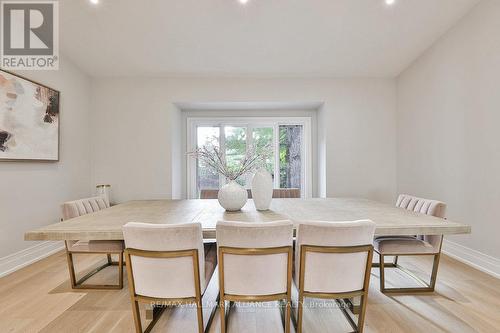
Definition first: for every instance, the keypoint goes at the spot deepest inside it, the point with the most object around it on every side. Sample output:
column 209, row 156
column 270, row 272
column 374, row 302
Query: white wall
column 449, row 126
column 135, row 128
column 31, row 192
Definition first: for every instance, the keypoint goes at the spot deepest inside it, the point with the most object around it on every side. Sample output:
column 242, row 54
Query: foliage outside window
column 285, row 162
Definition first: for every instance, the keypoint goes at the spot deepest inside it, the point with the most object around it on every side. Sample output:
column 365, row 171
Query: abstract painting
column 29, row 120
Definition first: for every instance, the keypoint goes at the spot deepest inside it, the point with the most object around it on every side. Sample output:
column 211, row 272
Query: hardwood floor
column 38, row 298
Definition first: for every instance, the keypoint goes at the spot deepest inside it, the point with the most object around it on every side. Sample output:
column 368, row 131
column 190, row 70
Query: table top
column 107, row 224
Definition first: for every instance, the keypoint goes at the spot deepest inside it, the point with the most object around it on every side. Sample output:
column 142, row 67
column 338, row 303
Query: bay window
column 287, row 139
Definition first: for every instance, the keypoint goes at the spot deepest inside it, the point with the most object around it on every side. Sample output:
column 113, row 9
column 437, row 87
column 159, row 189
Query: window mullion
column 248, row 144
column 222, row 144
column 276, row 147
column 249, row 139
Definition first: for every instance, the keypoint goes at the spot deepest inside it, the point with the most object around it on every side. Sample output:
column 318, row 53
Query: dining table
column 107, row 224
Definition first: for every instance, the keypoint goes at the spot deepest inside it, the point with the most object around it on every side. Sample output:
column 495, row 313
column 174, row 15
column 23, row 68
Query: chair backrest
column 334, row 272
column 213, row 194
column 81, row 207
column 165, row 277
column 208, row 194
column 286, row 193
column 421, row 205
column 277, row 193
column 254, row 274
column 425, row 206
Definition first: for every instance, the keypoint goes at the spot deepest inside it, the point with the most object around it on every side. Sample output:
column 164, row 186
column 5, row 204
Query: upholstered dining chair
column 411, row 245
column 72, row 209
column 255, row 264
column 286, row 193
column 209, row 194
column 213, row 194
column 333, row 261
column 277, row 193
column 165, row 266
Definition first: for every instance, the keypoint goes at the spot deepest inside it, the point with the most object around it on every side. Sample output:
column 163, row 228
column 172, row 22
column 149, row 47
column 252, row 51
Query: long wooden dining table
column 107, row 224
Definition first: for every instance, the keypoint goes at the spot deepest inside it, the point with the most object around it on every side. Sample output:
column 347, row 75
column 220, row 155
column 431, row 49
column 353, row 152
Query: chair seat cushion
column 402, row 245
column 103, row 246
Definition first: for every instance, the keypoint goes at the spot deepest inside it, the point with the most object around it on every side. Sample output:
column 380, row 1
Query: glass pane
column 290, row 142
column 206, row 176
column 263, row 142
column 235, row 140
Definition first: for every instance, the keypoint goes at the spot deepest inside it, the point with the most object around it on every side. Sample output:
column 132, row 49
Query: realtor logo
column 29, row 35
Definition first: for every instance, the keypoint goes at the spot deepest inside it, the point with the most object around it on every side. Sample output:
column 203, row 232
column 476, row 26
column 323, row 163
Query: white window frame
column 249, row 123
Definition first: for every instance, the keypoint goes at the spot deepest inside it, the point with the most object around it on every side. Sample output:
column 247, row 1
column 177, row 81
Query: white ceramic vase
column 232, row 196
column 262, row 189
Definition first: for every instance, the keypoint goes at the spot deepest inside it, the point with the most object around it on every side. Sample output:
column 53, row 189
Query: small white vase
column 262, row 189
column 232, row 196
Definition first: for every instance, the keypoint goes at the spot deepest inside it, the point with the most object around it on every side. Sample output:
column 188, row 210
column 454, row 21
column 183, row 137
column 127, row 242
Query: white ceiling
column 341, row 38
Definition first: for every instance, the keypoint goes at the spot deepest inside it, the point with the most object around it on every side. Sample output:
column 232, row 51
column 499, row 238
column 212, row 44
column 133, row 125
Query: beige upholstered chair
column 255, row 264
column 286, row 193
column 282, row 193
column 72, row 209
column 209, row 194
column 213, row 194
column 411, row 245
column 332, row 261
column 165, row 265
column 277, row 193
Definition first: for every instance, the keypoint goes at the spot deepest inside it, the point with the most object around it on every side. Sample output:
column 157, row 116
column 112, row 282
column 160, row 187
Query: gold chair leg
column 300, row 312
column 288, row 315
column 78, row 284
column 222, row 301
column 361, row 317
column 199, row 310
column 382, row 275
column 120, row 271
column 137, row 316
column 135, row 304
column 222, row 310
column 289, row 291
column 429, row 287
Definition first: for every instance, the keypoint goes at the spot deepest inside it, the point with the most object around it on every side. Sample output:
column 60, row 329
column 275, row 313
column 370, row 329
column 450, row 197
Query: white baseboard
column 18, row 260
column 476, row 259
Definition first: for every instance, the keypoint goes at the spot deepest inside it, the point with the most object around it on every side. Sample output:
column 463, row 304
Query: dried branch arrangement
column 216, row 159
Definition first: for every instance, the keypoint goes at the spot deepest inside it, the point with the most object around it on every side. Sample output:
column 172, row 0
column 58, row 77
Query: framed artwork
column 29, row 120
